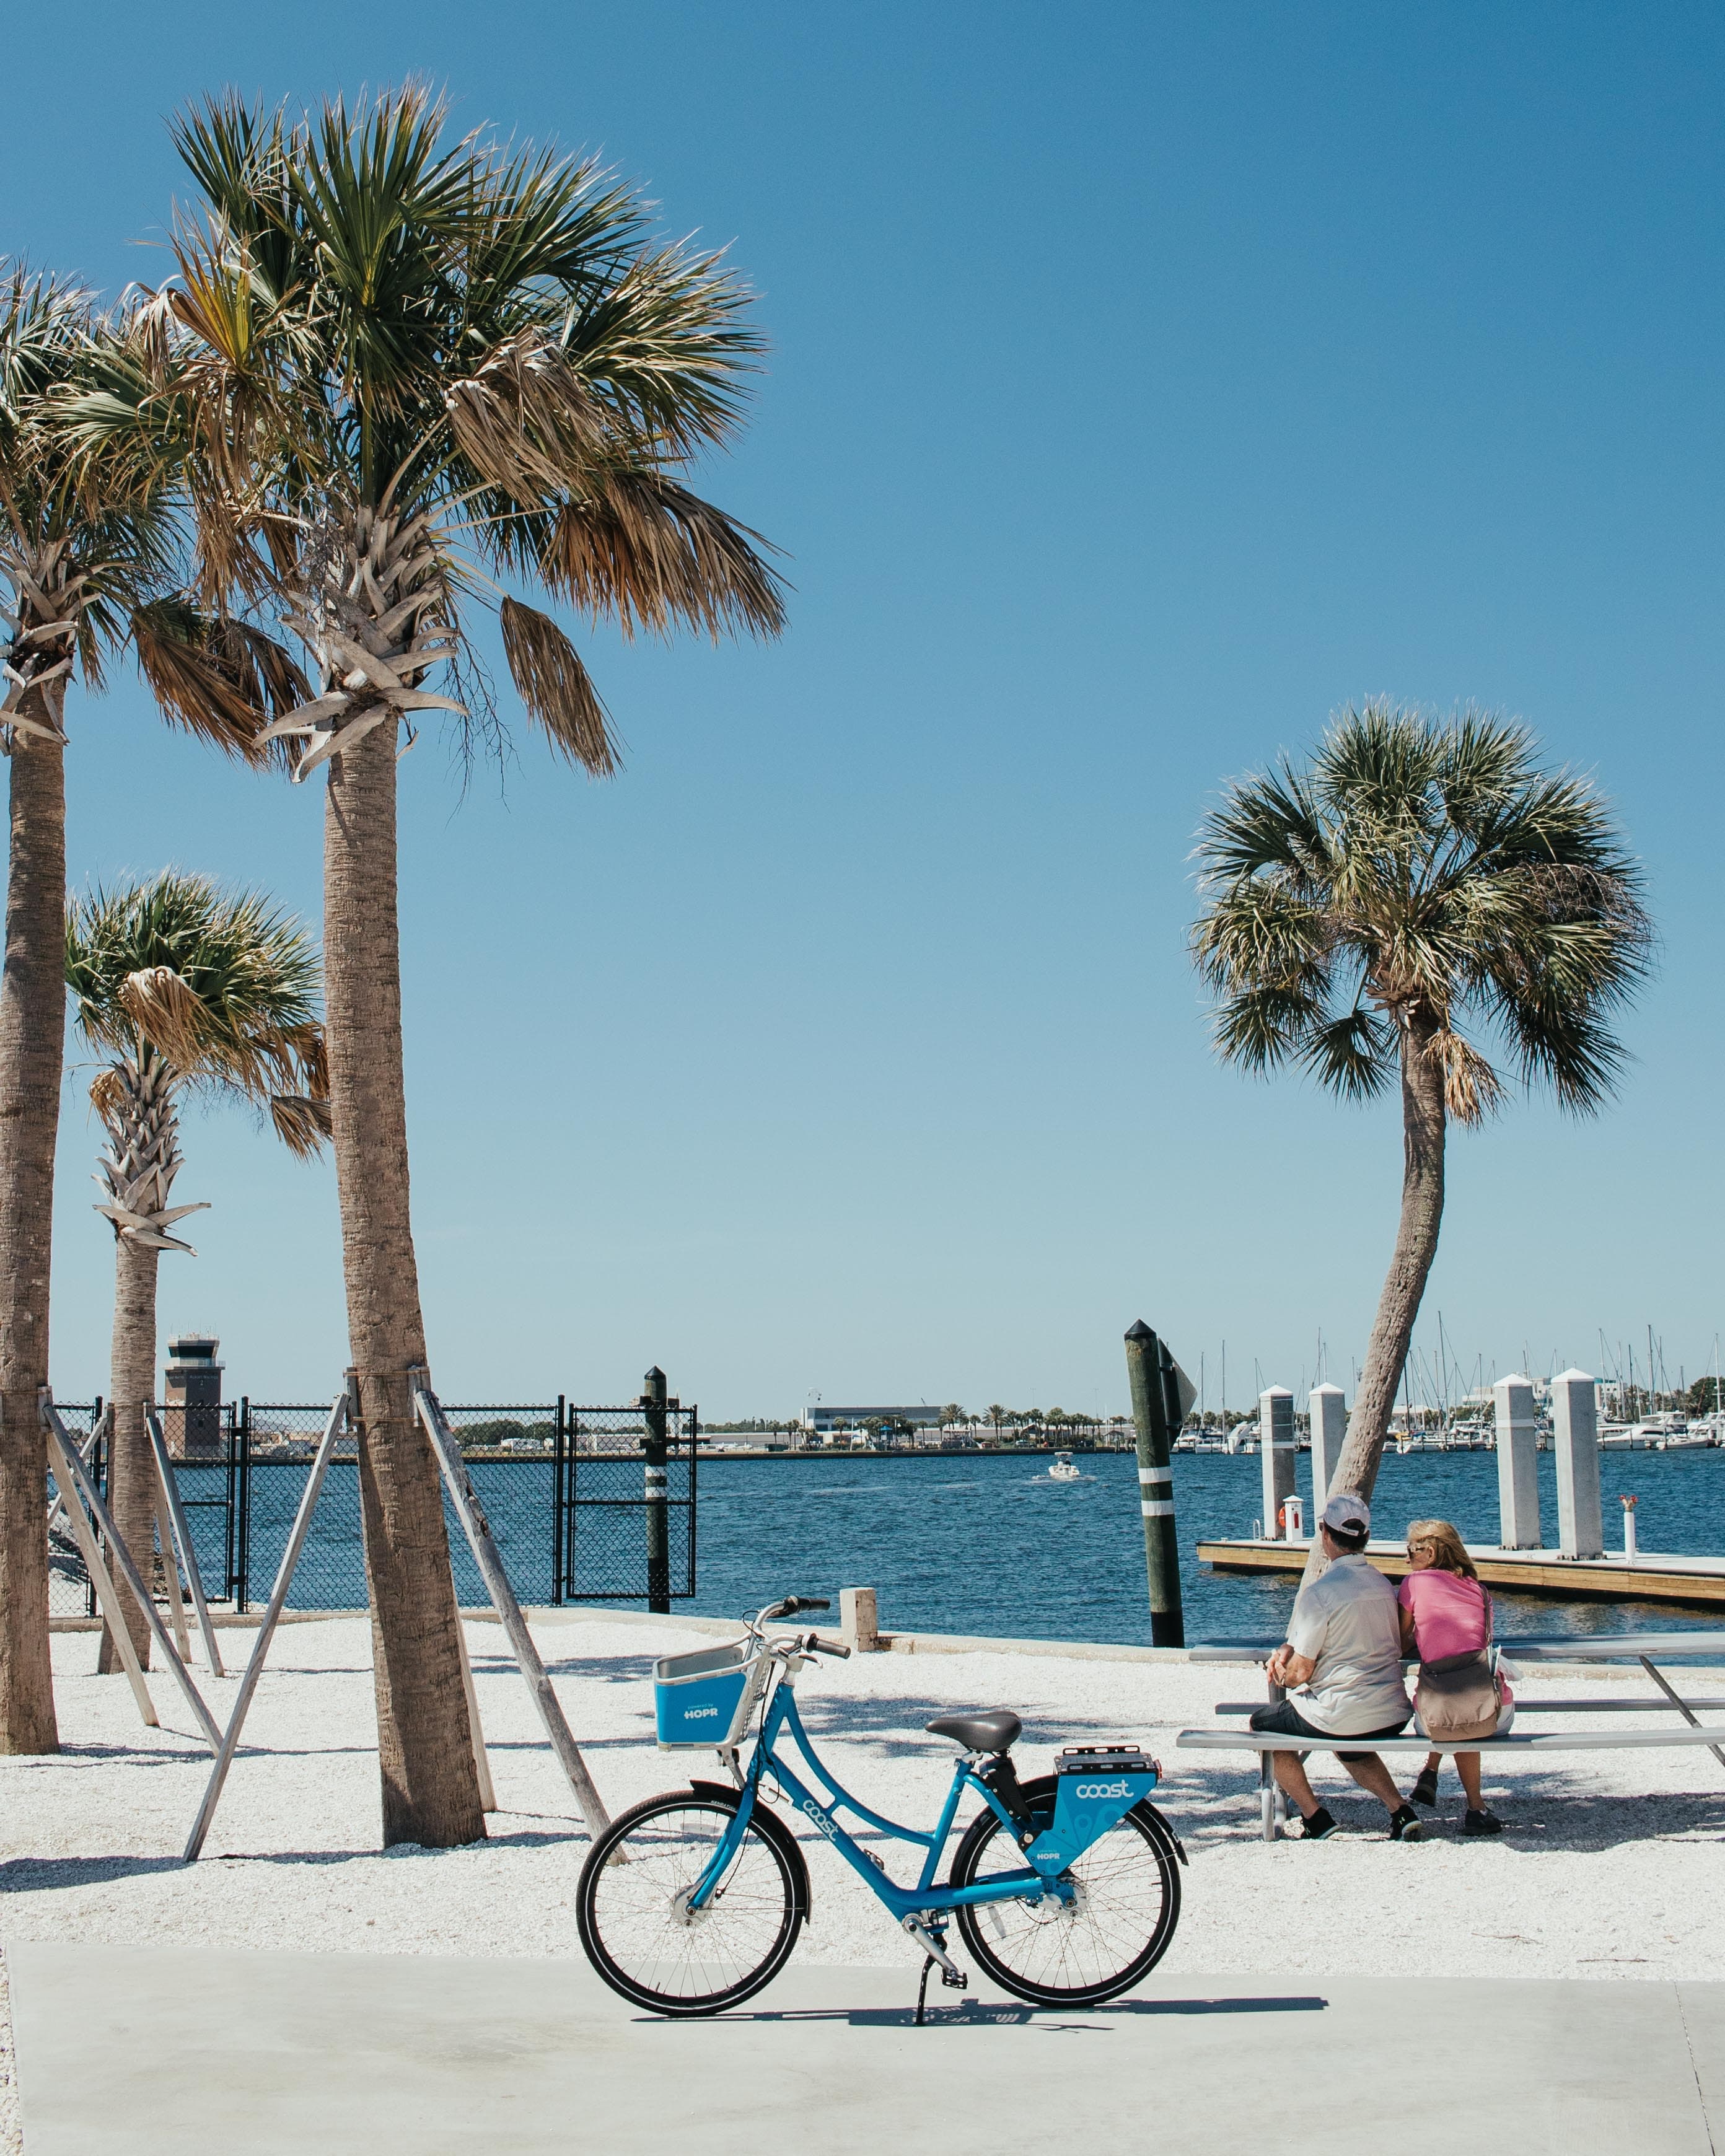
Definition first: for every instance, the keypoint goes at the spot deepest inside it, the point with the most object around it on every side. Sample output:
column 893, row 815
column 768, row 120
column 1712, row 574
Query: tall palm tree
column 89, row 552
column 186, row 988
column 1422, row 887
column 406, row 371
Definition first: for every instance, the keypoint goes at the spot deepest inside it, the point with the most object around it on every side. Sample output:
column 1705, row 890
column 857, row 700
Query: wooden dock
column 1698, row 1581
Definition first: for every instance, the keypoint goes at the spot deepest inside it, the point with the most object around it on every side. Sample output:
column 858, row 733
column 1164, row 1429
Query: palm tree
column 89, row 552
column 1421, row 881
column 187, row 989
column 404, row 373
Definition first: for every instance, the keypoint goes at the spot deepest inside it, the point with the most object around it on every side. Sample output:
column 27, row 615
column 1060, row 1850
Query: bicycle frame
column 780, row 1715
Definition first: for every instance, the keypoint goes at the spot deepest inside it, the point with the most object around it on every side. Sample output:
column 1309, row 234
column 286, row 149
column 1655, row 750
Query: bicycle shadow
column 1009, row 2014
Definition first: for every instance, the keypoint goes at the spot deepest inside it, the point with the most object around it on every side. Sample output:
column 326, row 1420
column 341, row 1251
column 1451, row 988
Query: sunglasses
column 1413, row 1547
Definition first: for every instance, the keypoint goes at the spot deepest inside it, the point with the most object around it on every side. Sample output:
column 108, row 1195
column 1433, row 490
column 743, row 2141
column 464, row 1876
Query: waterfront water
column 989, row 1543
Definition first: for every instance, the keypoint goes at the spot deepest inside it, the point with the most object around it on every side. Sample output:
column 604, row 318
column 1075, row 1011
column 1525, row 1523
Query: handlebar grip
column 821, row 1647
column 800, row 1602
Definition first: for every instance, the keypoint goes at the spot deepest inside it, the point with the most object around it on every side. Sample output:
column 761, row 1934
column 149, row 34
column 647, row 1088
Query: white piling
column 1329, row 1426
column 1575, row 1439
column 1629, row 1529
column 1517, row 1464
column 1275, row 1447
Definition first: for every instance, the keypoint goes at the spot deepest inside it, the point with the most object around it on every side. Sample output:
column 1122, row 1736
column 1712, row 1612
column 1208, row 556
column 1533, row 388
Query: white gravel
column 1613, row 1865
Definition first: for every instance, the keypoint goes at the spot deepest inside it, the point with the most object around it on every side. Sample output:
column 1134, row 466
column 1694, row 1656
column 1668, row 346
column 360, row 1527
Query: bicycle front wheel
column 636, row 1926
column 1113, row 1932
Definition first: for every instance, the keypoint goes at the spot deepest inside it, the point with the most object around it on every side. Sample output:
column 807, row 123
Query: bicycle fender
column 776, row 1831
column 1150, row 1812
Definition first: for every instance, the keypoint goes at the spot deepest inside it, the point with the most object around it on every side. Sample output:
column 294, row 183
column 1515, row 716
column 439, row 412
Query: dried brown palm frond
column 221, row 678
column 108, row 1092
column 1472, row 1090
column 169, row 1012
column 301, row 1122
column 635, row 547
column 524, row 421
column 556, row 688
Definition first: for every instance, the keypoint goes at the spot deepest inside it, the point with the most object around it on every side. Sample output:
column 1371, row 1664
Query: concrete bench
column 1640, row 1647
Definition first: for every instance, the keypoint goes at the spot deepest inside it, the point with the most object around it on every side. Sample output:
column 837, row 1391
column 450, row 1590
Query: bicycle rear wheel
column 1113, row 1932
column 638, row 1931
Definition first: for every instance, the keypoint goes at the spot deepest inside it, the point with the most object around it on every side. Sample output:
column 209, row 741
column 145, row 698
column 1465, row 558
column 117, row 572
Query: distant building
column 191, row 1397
column 823, row 1421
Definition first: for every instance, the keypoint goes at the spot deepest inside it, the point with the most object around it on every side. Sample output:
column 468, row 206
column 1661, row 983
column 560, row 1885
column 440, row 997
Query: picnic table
column 1648, row 1648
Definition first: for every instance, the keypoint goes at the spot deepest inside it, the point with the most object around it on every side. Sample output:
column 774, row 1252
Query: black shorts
column 1285, row 1719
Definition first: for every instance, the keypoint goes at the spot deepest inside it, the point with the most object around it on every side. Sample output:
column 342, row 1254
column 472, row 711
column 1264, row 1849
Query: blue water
column 988, row 1543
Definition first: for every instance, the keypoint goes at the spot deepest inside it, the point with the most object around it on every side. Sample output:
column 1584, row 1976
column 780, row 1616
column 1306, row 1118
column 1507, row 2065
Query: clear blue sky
column 1147, row 381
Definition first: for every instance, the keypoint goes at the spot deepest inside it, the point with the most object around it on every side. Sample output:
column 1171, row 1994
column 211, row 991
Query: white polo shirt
column 1348, row 1623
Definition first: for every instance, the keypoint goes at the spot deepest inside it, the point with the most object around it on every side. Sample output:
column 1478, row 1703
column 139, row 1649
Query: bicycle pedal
column 955, row 1980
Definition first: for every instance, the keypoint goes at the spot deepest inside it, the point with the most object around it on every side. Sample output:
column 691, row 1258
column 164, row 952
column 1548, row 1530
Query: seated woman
column 1446, row 1610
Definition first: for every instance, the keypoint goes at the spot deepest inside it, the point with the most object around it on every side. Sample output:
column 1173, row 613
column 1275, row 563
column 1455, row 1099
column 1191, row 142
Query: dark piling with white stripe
column 1156, row 1416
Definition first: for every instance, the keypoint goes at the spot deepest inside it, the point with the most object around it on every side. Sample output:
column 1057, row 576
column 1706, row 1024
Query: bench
column 1641, row 1647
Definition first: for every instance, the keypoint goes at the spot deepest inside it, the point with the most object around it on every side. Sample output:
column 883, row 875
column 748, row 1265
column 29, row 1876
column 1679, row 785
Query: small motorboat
column 1062, row 1468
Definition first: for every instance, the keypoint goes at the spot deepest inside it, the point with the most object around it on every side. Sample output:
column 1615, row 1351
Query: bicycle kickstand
column 954, row 1979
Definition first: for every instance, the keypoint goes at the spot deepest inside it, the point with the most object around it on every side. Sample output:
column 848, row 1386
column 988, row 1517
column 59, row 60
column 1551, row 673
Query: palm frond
column 524, row 421
column 556, row 688
column 1354, row 1055
column 301, row 1122
column 221, row 678
column 635, row 547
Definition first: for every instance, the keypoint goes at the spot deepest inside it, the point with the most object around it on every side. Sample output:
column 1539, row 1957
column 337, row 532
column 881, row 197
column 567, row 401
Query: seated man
column 1344, row 1644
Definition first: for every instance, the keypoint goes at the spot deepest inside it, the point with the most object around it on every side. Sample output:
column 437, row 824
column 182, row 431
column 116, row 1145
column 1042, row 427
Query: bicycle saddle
column 995, row 1730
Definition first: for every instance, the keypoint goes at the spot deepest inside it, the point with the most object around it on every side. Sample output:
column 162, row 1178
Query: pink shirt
column 1450, row 1612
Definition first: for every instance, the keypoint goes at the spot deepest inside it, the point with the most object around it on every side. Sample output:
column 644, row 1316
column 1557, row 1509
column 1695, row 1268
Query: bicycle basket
column 705, row 1699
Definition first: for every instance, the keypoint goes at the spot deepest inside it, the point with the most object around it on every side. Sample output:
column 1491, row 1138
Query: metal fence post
column 240, row 1512
column 1150, row 1369
column 556, row 1506
column 653, row 1406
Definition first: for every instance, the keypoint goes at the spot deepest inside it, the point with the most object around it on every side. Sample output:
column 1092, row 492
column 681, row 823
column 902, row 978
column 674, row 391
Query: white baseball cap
column 1349, row 1514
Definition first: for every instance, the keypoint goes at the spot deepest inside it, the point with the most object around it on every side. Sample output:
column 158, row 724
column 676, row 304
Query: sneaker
column 1405, row 1824
column 1424, row 1790
column 1320, row 1825
column 1481, row 1822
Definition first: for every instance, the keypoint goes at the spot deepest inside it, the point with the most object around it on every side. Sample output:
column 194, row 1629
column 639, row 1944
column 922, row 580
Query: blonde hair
column 1451, row 1552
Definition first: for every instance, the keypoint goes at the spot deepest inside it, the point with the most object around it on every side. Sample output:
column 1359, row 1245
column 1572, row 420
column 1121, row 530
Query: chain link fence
column 585, row 1504
column 70, row 1593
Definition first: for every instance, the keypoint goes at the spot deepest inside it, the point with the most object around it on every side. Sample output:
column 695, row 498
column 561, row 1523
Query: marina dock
column 1697, row 1582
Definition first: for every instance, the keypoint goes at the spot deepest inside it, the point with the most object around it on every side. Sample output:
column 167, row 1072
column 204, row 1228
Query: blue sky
column 1147, row 381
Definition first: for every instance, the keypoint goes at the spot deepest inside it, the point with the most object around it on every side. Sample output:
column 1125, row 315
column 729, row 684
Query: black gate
column 585, row 1504
column 211, row 1479
column 626, row 1503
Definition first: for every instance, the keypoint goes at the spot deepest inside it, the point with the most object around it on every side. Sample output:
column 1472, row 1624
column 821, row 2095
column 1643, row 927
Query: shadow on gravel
column 1209, row 1806
column 36, row 1875
column 895, row 1727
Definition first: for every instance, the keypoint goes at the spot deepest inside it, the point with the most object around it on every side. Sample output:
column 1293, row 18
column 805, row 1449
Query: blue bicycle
column 1066, row 1889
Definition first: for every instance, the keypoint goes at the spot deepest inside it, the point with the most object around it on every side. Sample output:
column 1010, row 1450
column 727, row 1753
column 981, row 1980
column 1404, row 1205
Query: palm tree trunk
column 1416, row 1241
column 430, row 1791
column 32, row 1027
column 132, row 1470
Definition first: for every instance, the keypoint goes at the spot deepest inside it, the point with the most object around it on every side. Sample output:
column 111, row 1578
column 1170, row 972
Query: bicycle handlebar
column 811, row 1645
column 792, row 1605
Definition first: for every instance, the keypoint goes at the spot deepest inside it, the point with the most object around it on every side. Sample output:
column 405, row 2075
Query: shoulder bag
column 1460, row 1697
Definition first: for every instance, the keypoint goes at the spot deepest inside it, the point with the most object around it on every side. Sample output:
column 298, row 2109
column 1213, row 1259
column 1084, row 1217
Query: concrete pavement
column 135, row 2052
